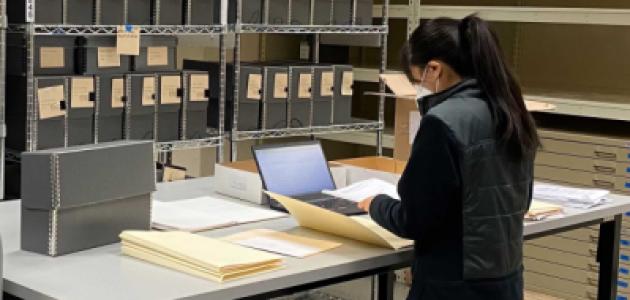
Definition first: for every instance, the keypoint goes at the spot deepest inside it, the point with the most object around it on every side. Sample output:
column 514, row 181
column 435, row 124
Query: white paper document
column 206, row 213
column 570, row 196
column 364, row 189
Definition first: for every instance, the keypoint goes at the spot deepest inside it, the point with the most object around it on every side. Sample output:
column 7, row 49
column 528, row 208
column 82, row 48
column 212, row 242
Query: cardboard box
column 46, row 11
column 362, row 168
column 142, row 101
column 52, row 55
column 241, row 180
column 139, row 12
column 87, row 196
column 157, row 54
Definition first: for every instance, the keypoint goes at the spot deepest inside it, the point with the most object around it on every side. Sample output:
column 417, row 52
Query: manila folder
column 356, row 228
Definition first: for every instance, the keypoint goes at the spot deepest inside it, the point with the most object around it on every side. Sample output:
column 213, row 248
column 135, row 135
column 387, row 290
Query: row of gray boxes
column 565, row 265
column 193, row 12
column 66, row 55
column 286, row 95
column 76, row 110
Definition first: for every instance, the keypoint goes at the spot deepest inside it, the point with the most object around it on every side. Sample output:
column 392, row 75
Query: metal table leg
column 608, row 258
column 386, row 286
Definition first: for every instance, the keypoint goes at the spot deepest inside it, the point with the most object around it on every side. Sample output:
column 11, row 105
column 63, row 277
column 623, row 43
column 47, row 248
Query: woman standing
column 468, row 182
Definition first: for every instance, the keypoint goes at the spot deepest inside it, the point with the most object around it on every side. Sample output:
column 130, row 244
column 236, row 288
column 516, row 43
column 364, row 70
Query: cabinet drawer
column 583, row 234
column 612, row 183
column 596, row 166
column 561, row 287
column 552, row 293
column 582, row 149
column 560, row 271
column 561, row 257
column 531, row 295
column 566, row 245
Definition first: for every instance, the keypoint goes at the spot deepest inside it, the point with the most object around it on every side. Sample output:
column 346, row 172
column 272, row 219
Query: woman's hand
column 365, row 204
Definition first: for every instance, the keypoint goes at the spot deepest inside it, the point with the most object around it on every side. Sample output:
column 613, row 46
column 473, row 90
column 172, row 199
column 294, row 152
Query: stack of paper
column 358, row 228
column 206, row 213
column 570, row 196
column 281, row 242
column 364, row 189
column 540, row 210
column 196, row 255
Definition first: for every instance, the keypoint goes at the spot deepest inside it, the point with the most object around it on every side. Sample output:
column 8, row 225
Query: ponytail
column 471, row 48
column 515, row 125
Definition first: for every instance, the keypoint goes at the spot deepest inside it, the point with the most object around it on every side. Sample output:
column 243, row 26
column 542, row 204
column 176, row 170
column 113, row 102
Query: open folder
column 200, row 256
column 358, row 228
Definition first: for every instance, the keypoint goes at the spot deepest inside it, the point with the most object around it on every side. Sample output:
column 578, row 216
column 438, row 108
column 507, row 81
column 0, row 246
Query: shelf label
column 81, row 89
column 30, row 11
column 157, row 56
column 108, row 57
column 169, row 87
column 128, row 40
column 198, row 86
column 49, row 99
column 51, row 57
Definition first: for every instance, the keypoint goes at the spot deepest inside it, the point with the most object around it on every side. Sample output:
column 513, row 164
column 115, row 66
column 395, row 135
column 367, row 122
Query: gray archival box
column 83, row 197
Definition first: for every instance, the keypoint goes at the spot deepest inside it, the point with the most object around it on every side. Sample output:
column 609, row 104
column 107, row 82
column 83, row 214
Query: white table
column 102, row 273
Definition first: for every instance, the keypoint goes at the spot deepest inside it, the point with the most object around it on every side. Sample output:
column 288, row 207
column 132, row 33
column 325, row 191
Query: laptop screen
column 294, row 170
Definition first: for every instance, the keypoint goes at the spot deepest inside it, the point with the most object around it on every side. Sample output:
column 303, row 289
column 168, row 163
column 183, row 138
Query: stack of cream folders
column 200, row 256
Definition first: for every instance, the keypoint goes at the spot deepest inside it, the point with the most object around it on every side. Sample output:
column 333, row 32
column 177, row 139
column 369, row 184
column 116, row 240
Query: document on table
column 363, row 189
column 281, row 242
column 540, row 210
column 200, row 256
column 205, row 213
column 360, row 228
column 574, row 197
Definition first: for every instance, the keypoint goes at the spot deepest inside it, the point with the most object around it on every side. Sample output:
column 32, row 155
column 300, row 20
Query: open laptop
column 300, row 170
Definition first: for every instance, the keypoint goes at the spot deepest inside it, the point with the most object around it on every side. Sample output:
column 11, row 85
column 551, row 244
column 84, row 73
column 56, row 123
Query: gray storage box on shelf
column 250, row 97
column 112, row 12
column 51, row 111
column 111, row 108
column 52, row 55
column 157, row 54
column 79, row 12
column 342, row 12
column 46, row 11
column 83, row 197
column 300, row 96
column 251, row 13
column 196, row 103
column 213, row 70
column 97, row 56
column 342, row 97
column 168, row 12
column 300, row 12
column 169, row 107
column 204, row 12
column 364, row 12
column 139, row 12
column 80, row 112
column 322, row 15
column 275, row 96
column 323, row 81
column 278, row 12
column 142, row 103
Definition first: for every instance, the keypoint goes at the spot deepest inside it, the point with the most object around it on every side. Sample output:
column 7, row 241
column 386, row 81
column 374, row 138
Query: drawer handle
column 605, row 155
column 604, row 169
column 603, row 184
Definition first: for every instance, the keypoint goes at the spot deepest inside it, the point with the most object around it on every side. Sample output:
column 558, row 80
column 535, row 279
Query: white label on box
column 414, row 125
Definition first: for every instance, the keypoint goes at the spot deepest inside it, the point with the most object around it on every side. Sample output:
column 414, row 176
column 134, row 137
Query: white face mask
column 421, row 90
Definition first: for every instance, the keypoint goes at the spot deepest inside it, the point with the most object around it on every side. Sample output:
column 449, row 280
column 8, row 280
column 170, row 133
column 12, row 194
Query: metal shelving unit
column 30, row 30
column 316, row 30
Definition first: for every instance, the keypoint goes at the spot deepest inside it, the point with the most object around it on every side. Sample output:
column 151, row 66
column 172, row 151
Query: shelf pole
column 237, row 73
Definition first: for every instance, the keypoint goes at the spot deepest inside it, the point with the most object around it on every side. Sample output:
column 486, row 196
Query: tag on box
column 108, row 57
column 304, row 86
column 280, row 88
column 198, row 86
column 51, row 57
column 169, row 87
column 346, row 83
column 49, row 99
column 327, row 84
column 128, row 40
column 118, row 93
column 157, row 56
column 148, row 91
column 81, row 89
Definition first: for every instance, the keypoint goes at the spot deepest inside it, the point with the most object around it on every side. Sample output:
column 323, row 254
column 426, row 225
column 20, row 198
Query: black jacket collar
column 465, row 86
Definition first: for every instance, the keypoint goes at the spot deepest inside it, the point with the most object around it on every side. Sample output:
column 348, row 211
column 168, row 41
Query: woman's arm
column 428, row 188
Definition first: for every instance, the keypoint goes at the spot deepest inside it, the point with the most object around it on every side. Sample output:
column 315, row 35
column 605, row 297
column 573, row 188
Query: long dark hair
column 472, row 49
